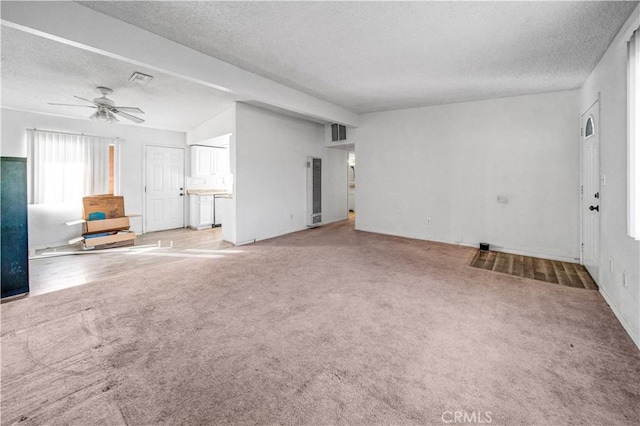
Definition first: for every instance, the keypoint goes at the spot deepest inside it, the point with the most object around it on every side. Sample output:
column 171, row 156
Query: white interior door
column 590, row 200
column 164, row 188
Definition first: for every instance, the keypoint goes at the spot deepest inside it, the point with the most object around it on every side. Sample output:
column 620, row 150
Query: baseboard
column 268, row 237
column 527, row 253
column 48, row 246
column 627, row 327
column 244, row 243
column 14, row 297
column 335, row 220
column 432, row 240
column 466, row 244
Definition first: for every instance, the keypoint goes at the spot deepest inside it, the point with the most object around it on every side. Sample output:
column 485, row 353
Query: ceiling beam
column 76, row 25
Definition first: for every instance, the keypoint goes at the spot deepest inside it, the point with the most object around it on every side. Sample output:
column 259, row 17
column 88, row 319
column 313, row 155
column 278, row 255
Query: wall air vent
column 314, row 191
column 338, row 132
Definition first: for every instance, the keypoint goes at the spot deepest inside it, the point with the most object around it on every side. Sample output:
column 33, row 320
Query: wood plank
column 572, row 275
column 517, row 268
column 499, row 263
column 529, row 268
column 561, row 274
column 510, row 262
column 475, row 261
column 490, row 260
column 585, row 278
column 551, row 275
column 539, row 272
column 551, row 271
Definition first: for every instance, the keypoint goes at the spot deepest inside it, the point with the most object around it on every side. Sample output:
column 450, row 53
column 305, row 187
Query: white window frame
column 78, row 148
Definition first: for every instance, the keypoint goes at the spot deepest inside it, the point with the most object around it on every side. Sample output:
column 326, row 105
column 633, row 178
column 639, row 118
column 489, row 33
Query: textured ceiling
column 36, row 71
column 370, row 56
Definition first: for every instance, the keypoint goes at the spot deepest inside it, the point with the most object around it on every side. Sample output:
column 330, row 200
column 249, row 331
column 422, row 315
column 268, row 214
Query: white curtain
column 66, row 167
column 633, row 135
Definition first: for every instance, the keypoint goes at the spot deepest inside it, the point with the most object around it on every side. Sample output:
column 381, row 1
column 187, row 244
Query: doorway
column 164, row 188
column 590, row 190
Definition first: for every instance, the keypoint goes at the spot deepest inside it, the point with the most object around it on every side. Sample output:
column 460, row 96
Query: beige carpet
column 326, row 326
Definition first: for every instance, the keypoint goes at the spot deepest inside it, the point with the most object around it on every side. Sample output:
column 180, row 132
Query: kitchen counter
column 208, row 192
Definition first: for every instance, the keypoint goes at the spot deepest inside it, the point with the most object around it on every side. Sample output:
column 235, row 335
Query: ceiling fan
column 106, row 108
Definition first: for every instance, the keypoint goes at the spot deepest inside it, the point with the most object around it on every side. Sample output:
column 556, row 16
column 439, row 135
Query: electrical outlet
column 610, row 265
column 291, row 216
column 428, row 221
column 625, row 284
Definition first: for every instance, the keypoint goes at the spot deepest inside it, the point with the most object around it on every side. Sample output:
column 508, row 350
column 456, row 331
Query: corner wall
column 221, row 124
column 609, row 81
column 450, row 163
column 270, row 179
column 45, row 233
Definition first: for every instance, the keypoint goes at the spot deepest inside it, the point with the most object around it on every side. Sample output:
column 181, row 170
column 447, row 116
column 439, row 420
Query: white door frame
column 144, row 182
column 582, row 181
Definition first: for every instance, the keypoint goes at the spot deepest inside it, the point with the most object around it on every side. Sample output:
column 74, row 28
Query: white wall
column 450, row 162
column 219, row 125
column 44, row 233
column 609, row 80
column 270, row 179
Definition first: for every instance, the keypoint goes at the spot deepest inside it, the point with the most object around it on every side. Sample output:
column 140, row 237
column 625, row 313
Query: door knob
column 596, row 208
column 182, row 195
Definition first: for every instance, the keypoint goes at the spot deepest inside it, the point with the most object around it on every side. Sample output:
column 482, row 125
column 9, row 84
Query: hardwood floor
column 563, row 273
column 68, row 266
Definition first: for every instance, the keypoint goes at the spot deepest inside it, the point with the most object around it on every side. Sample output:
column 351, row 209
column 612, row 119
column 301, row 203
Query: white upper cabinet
column 203, row 161
column 209, row 161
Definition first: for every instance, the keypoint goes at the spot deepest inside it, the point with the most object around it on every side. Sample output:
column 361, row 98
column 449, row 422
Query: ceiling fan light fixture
column 104, row 115
column 106, row 110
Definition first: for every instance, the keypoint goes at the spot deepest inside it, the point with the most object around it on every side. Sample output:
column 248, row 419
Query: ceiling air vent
column 338, row 132
column 140, row 78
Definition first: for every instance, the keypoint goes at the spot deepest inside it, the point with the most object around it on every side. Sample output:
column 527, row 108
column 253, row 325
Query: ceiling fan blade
column 129, row 109
column 83, row 99
column 81, row 106
column 128, row 116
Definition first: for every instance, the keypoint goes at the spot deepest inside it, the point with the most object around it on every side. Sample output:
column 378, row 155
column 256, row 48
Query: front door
column 164, row 188
column 590, row 200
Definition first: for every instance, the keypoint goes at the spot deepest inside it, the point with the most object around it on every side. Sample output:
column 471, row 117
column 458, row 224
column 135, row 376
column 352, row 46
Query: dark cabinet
column 14, row 241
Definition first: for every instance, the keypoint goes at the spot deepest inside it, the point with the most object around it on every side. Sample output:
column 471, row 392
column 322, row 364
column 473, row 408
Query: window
column 633, row 135
column 66, row 167
column 588, row 128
